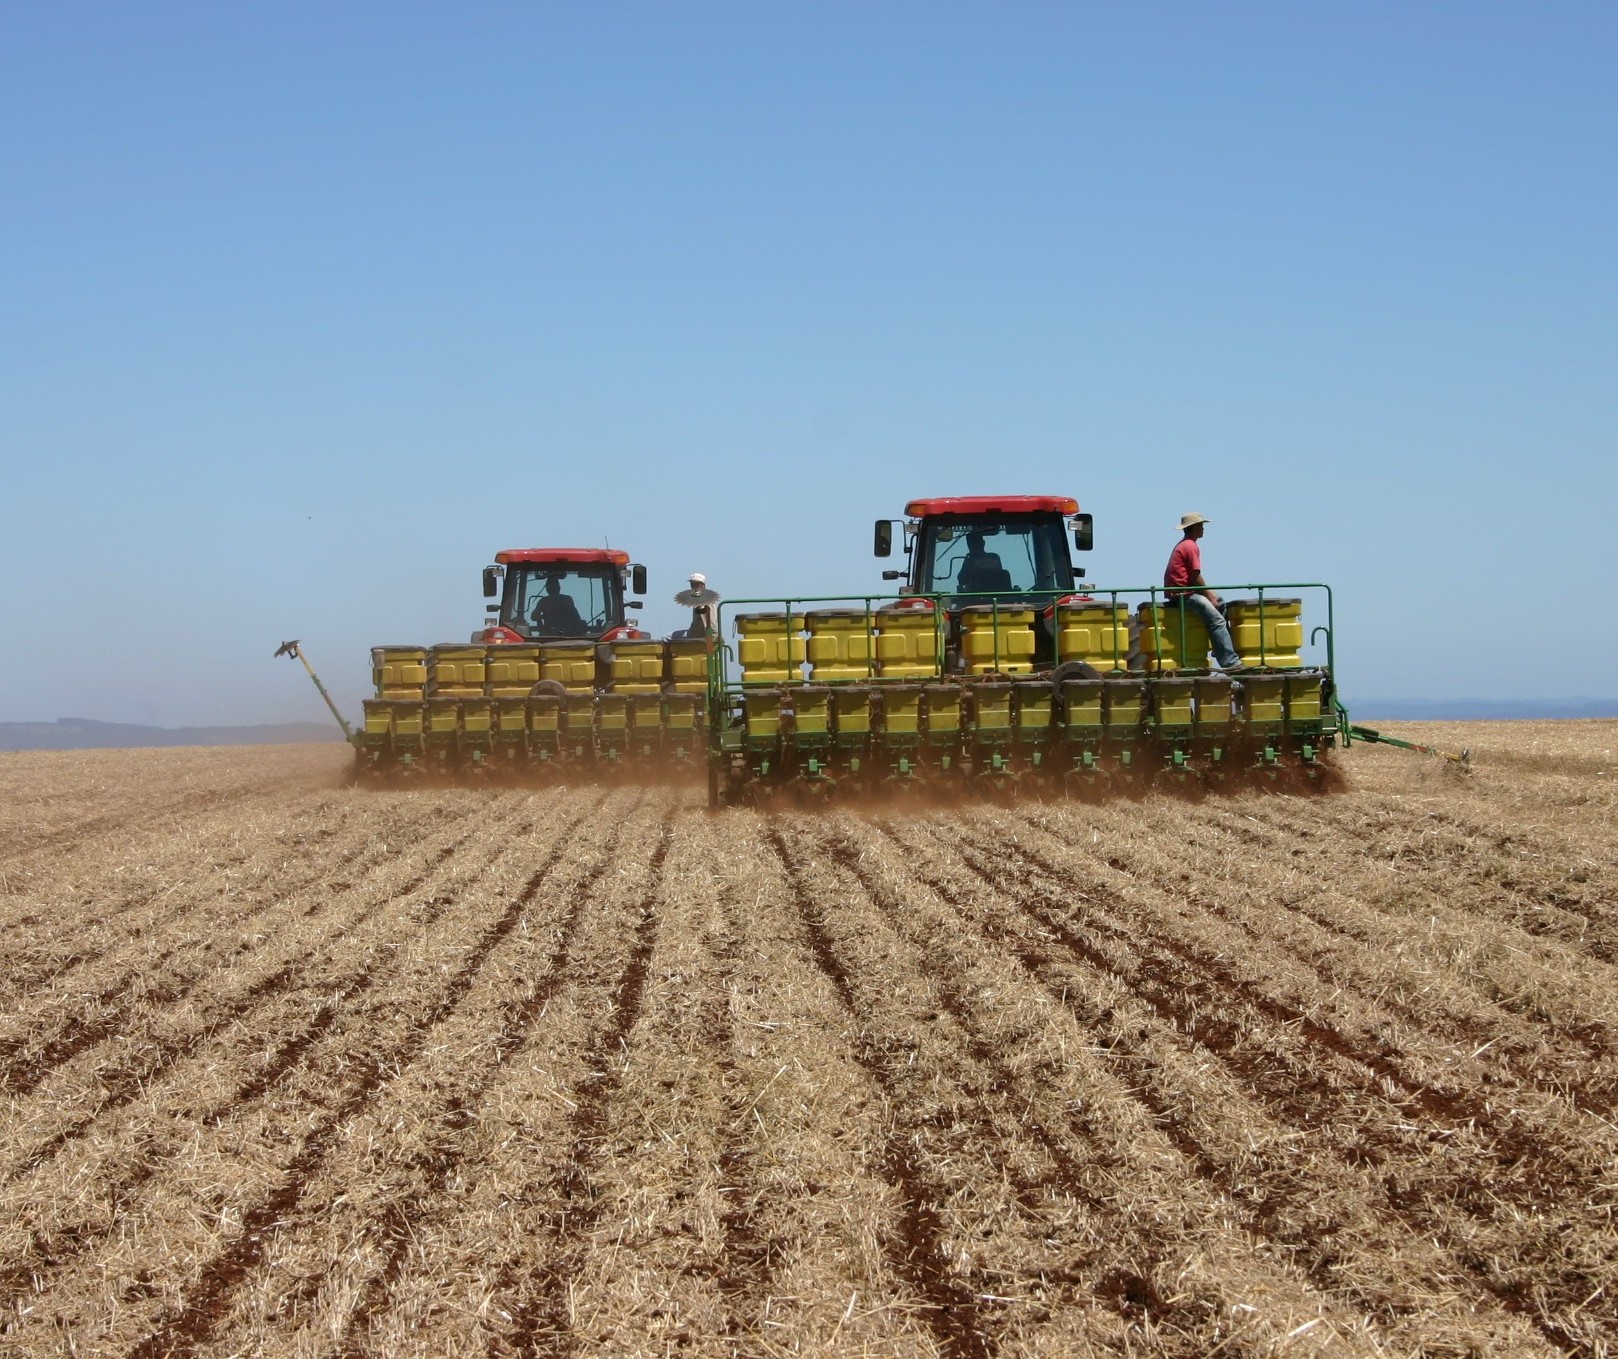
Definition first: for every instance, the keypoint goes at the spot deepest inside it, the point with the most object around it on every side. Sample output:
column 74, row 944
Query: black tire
column 1073, row 670
column 551, row 687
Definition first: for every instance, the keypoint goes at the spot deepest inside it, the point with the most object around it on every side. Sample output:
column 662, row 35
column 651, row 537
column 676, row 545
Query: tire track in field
column 1441, row 864
column 747, row 1260
column 1137, row 1075
column 425, row 823
column 63, row 1247
column 981, row 1047
column 193, row 1323
column 578, row 1207
column 1125, row 1290
column 24, row 1075
column 1193, row 1001
column 21, row 1074
column 109, row 914
column 516, row 1029
column 1282, row 828
column 1340, row 976
column 1136, row 1078
column 918, row 1252
column 23, row 985
column 138, row 814
column 1036, row 961
column 130, row 1084
column 1594, row 1039
column 1517, row 1146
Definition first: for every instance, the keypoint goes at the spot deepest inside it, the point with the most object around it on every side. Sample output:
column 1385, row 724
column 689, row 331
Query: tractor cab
column 555, row 593
column 988, row 549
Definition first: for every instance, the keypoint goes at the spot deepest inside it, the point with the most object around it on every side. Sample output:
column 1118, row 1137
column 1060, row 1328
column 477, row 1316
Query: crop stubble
column 293, row 1069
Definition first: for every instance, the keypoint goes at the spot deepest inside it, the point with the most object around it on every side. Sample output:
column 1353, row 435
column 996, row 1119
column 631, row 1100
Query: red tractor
column 991, row 550
column 557, row 593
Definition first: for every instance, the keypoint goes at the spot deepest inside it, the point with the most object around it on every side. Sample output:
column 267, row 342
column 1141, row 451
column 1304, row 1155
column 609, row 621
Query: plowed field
column 295, row 1069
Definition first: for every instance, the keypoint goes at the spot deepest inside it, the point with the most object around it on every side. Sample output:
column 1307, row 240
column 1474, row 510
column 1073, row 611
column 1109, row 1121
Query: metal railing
column 726, row 675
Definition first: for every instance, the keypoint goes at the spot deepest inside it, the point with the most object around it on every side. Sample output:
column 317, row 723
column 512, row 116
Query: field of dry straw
column 294, row 1069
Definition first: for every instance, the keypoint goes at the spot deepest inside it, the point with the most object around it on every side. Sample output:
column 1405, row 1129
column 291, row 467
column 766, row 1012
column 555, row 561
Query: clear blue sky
column 305, row 310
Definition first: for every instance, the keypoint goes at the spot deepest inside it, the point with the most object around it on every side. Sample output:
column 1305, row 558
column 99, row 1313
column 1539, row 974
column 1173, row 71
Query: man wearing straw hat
column 1182, row 580
column 701, row 601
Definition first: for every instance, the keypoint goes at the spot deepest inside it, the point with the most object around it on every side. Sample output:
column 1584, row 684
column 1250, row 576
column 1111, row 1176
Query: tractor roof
column 992, row 504
column 610, row 555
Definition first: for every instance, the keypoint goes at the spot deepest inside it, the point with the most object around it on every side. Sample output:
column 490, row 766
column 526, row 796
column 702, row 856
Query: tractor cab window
column 561, row 601
column 1014, row 555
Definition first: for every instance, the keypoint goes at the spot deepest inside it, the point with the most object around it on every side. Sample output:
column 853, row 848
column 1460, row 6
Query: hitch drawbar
column 1373, row 737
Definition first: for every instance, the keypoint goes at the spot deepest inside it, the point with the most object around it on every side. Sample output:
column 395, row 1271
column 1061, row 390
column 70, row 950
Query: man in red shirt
column 1183, row 582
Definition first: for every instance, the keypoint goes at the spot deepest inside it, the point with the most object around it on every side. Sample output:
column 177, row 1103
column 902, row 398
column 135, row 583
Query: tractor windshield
column 562, row 599
column 999, row 555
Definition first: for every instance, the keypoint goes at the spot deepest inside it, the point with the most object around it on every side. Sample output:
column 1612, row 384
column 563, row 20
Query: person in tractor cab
column 556, row 615
column 1182, row 580
column 981, row 571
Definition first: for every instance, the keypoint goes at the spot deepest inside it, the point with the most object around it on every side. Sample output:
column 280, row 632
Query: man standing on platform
column 1186, row 588
column 703, row 604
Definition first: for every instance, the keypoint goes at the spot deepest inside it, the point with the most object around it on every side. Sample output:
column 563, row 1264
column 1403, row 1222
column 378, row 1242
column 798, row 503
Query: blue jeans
column 1224, row 650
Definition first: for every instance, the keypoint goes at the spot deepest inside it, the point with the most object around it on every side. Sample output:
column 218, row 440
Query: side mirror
column 491, row 581
column 884, row 537
column 637, row 578
column 1083, row 532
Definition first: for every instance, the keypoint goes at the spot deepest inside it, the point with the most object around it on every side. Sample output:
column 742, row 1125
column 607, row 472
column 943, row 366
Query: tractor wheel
column 1073, row 670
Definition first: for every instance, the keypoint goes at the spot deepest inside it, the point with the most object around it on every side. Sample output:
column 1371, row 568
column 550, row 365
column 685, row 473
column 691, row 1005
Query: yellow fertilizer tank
column 1267, row 632
column 1093, row 631
column 907, row 642
column 841, row 644
column 1171, row 637
column 770, row 647
column 997, row 639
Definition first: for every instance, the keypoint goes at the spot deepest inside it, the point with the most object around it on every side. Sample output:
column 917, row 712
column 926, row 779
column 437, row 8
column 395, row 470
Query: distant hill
column 84, row 733
column 1478, row 709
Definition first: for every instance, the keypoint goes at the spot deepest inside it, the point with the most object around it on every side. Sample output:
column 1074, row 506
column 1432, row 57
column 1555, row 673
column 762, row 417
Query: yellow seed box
column 1095, row 632
column 399, row 671
column 1267, row 632
column 906, row 643
column 995, row 638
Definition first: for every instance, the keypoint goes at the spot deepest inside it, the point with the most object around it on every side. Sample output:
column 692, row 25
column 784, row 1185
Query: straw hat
column 1187, row 520
column 698, row 594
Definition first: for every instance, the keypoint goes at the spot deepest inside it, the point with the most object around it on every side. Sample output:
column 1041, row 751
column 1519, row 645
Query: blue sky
column 306, row 310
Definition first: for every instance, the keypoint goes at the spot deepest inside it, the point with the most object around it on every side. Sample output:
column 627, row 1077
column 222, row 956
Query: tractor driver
column 981, row 570
column 556, row 615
